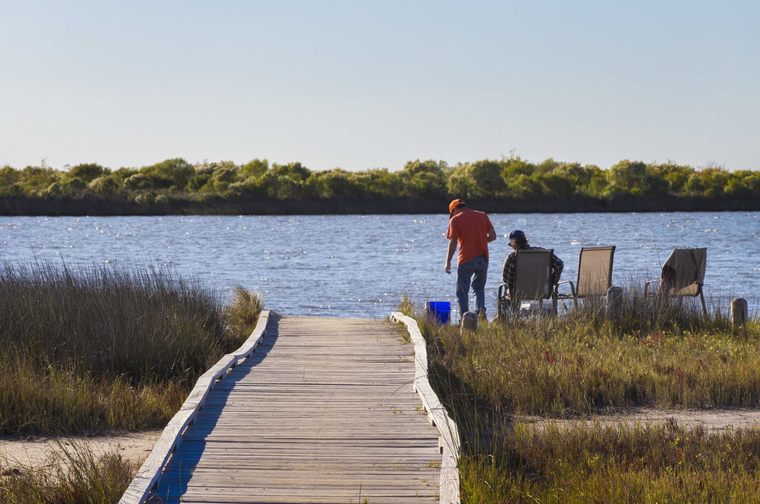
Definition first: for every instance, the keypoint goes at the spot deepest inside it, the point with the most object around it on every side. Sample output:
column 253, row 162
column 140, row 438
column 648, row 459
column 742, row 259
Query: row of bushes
column 507, row 178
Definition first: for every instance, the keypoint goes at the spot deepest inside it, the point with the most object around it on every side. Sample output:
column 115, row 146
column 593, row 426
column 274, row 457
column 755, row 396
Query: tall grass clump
column 581, row 363
column 102, row 348
column 72, row 475
column 658, row 353
column 643, row 314
column 243, row 312
column 626, row 464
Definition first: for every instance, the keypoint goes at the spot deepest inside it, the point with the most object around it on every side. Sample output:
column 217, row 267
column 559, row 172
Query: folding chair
column 683, row 275
column 594, row 274
column 533, row 269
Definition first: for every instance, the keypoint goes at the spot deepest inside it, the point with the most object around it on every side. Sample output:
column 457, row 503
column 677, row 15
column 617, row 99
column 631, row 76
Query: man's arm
column 557, row 267
column 450, row 255
column 508, row 273
column 491, row 234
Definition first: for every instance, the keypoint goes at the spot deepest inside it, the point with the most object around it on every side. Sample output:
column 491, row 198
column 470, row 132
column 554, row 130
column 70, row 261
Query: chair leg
column 504, row 307
column 704, row 306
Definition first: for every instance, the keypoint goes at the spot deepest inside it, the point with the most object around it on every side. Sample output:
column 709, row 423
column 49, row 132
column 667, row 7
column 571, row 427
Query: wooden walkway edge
column 147, row 476
column 309, row 410
column 450, row 443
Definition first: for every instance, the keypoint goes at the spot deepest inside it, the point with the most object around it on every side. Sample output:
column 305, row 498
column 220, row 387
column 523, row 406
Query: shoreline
column 177, row 205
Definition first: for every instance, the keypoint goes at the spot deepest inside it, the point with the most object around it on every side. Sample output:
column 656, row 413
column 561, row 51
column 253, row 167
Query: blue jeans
column 477, row 268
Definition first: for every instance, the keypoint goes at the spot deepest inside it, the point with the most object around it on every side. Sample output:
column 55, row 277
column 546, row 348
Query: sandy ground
column 711, row 420
column 36, row 452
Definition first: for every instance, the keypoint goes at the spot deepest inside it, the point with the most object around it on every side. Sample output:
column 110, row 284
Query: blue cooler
column 438, row 310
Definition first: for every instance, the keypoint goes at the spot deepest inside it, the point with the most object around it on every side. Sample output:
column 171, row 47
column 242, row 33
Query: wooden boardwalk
column 324, row 411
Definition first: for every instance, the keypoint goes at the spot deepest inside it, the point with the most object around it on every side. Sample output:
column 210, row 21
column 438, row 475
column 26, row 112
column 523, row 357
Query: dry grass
column 243, row 312
column 658, row 355
column 616, row 464
column 100, row 349
column 580, row 363
column 73, row 475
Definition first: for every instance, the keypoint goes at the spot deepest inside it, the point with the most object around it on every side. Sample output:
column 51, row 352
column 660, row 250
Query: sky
column 361, row 85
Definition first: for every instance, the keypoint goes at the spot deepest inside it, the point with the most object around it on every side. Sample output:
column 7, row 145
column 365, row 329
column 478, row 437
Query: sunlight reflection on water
column 361, row 265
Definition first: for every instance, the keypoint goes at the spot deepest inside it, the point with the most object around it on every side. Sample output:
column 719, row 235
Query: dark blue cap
column 517, row 235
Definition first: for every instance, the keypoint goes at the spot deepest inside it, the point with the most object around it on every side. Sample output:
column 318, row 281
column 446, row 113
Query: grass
column 580, row 363
column 657, row 354
column 99, row 349
column 72, row 475
column 664, row 463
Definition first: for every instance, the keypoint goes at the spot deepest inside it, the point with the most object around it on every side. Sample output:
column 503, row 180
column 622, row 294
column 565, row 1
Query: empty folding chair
column 594, row 274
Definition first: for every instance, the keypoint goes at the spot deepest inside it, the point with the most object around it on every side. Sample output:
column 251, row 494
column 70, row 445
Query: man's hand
column 450, row 255
column 491, row 234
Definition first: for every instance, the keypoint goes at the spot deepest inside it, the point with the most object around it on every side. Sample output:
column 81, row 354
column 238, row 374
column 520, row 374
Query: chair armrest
column 563, row 282
column 502, row 291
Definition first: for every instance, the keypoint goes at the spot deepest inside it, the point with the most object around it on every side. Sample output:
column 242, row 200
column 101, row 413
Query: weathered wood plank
column 326, row 411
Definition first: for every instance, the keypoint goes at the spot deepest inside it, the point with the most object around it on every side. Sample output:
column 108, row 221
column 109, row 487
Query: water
column 361, row 265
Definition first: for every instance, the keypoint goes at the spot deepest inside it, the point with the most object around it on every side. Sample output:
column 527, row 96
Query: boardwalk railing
column 437, row 414
column 147, row 477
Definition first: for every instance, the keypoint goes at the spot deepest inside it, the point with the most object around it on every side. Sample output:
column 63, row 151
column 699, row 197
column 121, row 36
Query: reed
column 102, row 348
column 72, row 475
column 628, row 463
column 659, row 354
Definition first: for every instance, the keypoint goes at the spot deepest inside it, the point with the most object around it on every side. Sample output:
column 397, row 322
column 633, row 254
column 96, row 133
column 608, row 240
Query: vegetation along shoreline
column 548, row 407
column 509, row 185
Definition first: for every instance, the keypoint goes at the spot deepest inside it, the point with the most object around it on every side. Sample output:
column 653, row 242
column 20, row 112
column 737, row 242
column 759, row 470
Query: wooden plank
column 326, row 412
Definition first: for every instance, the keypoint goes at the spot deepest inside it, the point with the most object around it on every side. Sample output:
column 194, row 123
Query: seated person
column 518, row 241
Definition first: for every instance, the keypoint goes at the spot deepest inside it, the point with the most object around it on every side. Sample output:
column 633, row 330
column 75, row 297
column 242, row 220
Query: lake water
column 361, row 265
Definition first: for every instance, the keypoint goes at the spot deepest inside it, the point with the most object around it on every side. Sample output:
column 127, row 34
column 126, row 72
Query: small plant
column 243, row 312
column 407, row 306
column 72, row 475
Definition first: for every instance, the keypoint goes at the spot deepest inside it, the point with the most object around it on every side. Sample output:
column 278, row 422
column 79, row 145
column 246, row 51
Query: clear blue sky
column 373, row 84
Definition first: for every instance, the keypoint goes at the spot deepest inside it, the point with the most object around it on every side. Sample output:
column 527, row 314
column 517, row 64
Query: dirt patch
column 712, row 420
column 37, row 452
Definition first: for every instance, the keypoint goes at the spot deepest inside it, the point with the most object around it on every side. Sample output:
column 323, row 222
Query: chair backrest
column 595, row 271
column 686, row 271
column 533, row 274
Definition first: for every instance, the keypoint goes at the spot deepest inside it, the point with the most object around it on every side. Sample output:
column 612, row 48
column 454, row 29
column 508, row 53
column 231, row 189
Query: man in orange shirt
column 471, row 230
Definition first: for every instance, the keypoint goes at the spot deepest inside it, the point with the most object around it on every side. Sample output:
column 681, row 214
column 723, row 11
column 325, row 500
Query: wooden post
column 739, row 312
column 469, row 321
column 614, row 308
